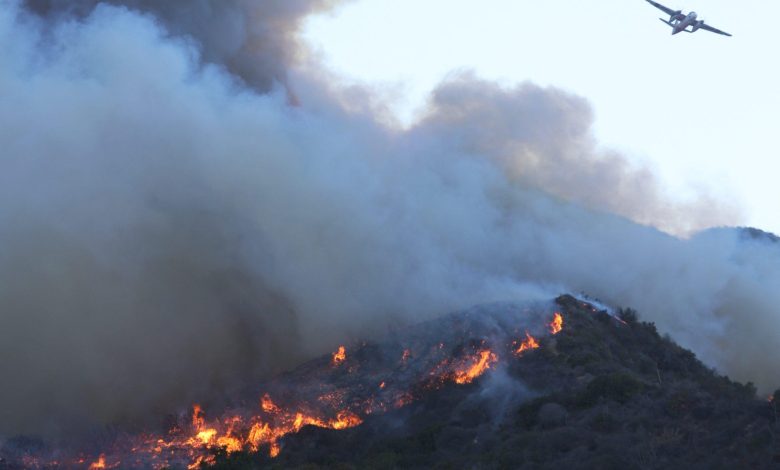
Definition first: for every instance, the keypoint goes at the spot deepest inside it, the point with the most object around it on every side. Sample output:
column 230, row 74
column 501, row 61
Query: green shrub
column 628, row 315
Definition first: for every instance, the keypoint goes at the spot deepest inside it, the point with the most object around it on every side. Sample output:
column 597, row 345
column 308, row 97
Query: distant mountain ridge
column 758, row 234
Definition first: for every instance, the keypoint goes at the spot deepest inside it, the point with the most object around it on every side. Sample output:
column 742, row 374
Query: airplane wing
column 666, row 10
column 713, row 30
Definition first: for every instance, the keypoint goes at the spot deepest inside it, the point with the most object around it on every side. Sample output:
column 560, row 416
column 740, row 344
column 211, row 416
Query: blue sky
column 701, row 109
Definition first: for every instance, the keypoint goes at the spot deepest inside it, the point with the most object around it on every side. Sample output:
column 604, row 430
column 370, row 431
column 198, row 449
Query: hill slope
column 603, row 393
column 497, row 386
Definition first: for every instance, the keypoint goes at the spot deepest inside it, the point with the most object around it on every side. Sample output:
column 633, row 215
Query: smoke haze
column 254, row 40
column 180, row 210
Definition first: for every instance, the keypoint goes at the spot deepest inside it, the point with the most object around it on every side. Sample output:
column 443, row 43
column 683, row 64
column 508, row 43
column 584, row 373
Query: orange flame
column 208, row 460
column 344, row 420
column 259, row 434
column 529, row 343
column 266, row 429
column 268, row 405
column 339, row 356
column 100, row 463
column 281, row 423
column 486, row 359
column 275, row 449
column 206, row 436
column 197, row 417
column 557, row 324
column 229, row 442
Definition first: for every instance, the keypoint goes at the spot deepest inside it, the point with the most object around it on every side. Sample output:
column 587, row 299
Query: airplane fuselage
column 689, row 20
column 680, row 21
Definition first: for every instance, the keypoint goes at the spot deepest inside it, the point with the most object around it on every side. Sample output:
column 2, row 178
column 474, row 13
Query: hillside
column 558, row 384
column 603, row 393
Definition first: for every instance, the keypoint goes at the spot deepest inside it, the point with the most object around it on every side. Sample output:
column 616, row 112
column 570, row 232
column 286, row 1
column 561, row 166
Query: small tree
column 628, row 315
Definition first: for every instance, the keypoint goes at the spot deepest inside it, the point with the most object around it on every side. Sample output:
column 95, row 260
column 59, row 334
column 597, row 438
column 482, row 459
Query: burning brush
column 340, row 400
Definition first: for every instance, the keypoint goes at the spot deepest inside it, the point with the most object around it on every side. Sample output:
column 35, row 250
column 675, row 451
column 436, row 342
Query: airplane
column 680, row 22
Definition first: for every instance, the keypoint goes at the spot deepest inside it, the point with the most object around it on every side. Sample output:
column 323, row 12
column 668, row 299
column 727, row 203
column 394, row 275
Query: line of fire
column 194, row 443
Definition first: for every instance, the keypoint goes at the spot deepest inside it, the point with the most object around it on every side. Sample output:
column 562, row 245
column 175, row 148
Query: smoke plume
column 254, row 40
column 171, row 223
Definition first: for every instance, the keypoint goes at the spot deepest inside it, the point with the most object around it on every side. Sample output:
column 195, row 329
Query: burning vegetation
column 339, row 356
column 479, row 364
column 527, row 344
column 429, row 386
column 99, row 464
column 337, row 401
column 556, row 326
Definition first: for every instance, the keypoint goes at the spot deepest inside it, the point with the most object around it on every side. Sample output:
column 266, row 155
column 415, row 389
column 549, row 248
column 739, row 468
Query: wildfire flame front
column 192, row 446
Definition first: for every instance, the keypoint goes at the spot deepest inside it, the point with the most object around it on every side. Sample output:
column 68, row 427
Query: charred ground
column 603, row 393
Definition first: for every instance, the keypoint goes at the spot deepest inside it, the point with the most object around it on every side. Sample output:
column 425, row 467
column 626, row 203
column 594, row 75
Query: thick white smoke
column 170, row 223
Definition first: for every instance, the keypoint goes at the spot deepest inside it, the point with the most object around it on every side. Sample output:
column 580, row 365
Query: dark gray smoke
column 166, row 230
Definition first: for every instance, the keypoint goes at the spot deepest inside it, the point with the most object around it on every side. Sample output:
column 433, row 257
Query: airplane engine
column 676, row 16
column 697, row 25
